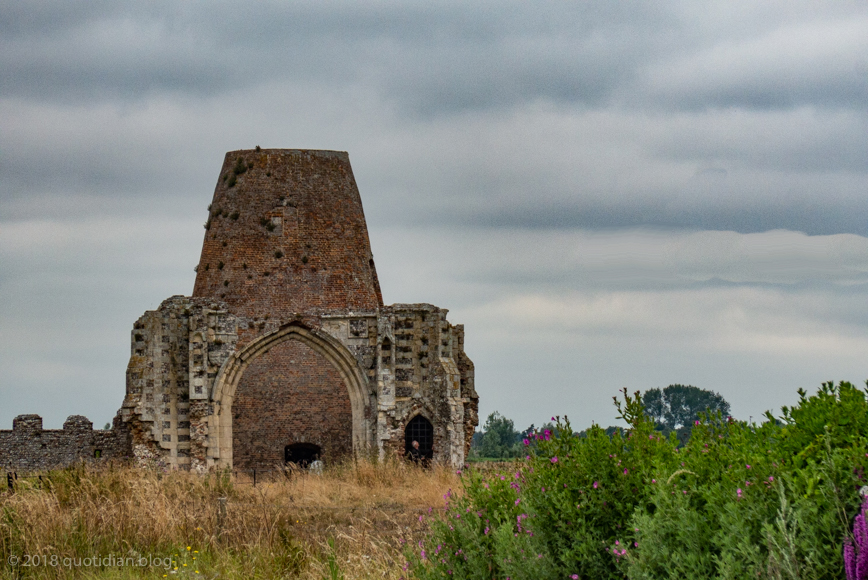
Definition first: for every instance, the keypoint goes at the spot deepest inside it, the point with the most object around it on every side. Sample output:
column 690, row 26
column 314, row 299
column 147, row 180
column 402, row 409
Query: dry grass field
column 349, row 522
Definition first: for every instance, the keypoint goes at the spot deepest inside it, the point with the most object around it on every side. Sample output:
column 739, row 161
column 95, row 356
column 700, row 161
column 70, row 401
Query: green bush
column 740, row 500
column 560, row 515
column 769, row 500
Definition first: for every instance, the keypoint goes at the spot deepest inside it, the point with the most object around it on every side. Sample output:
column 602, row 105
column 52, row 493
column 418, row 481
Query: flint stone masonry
column 285, row 341
column 30, row 448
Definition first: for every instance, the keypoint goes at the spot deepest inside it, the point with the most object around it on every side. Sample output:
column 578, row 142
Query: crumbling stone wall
column 177, row 352
column 30, row 448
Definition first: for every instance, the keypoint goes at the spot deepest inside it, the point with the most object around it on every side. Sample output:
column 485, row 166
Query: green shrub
column 562, row 513
column 240, row 166
column 739, row 500
column 769, row 500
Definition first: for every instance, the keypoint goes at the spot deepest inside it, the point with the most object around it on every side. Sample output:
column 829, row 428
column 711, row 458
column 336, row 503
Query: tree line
column 673, row 410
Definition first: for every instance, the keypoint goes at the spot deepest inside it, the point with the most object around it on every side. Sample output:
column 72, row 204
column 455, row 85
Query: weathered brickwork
column 288, row 237
column 285, row 341
column 291, row 394
column 30, row 448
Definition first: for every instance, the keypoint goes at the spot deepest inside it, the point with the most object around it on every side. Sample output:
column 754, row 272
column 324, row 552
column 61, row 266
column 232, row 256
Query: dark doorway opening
column 301, row 454
column 420, row 429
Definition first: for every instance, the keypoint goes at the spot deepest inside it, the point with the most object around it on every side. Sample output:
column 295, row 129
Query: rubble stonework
column 285, row 345
column 28, row 447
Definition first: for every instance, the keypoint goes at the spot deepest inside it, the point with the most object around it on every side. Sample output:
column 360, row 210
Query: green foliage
column 773, row 500
column 739, row 500
column 561, row 513
column 240, row 167
column 499, row 438
column 680, row 405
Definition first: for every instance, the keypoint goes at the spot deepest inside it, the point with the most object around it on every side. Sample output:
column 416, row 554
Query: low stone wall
column 30, row 448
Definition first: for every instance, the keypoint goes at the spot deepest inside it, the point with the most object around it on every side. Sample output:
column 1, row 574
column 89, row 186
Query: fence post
column 221, row 516
column 254, row 478
column 9, row 482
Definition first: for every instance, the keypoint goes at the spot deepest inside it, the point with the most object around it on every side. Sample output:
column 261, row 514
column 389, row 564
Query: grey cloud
column 434, row 59
column 593, row 260
column 807, row 63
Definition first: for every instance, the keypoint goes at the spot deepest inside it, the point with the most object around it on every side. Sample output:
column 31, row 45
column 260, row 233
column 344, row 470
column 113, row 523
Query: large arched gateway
column 294, row 385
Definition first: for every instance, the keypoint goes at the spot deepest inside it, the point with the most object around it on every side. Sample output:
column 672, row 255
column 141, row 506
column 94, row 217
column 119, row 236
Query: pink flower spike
column 526, row 442
column 748, row 466
column 596, row 485
column 517, row 501
column 696, row 422
column 575, row 577
column 554, row 459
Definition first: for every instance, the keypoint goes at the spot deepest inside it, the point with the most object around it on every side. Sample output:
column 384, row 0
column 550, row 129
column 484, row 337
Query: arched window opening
column 419, row 429
column 302, row 454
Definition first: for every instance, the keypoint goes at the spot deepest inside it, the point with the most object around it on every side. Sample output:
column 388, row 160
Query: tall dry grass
column 349, row 522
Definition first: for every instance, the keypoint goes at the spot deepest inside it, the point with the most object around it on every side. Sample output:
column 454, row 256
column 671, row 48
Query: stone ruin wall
column 412, row 356
column 27, row 447
column 176, row 353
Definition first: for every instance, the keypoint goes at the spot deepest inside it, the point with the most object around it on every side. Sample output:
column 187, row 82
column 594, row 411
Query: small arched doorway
column 301, row 454
column 420, row 429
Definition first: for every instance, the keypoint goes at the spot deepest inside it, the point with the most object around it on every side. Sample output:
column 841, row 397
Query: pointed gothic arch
column 226, row 382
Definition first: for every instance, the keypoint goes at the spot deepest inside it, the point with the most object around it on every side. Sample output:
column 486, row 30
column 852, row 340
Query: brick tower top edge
column 286, row 234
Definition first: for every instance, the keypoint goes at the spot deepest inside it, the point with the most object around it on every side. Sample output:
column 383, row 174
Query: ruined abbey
column 285, row 351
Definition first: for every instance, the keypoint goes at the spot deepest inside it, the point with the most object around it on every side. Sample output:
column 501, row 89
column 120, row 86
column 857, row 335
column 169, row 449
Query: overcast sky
column 606, row 194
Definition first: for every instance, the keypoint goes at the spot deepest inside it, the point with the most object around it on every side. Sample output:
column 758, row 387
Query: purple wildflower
column 856, row 556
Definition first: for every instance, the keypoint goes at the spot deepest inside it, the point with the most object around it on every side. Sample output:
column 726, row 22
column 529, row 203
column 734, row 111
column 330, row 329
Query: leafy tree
column 476, row 442
column 679, row 406
column 499, row 437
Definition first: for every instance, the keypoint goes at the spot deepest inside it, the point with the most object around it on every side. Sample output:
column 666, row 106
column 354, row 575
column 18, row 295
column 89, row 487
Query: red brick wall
column 290, row 394
column 288, row 237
